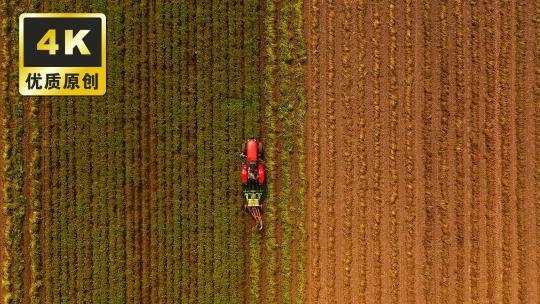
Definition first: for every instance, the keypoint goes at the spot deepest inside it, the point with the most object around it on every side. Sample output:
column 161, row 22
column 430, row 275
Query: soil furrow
column 449, row 54
column 409, row 108
column 376, row 160
column 346, row 154
column 418, row 157
column 464, row 77
column 330, row 126
column 427, row 148
column 340, row 29
column 459, row 152
column 443, row 156
column 313, row 143
column 509, row 152
column 386, row 151
column 401, row 62
column 360, row 189
column 493, row 146
column 393, row 158
column 531, row 197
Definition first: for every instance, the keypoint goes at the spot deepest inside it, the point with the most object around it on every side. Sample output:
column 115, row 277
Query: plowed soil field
column 422, row 151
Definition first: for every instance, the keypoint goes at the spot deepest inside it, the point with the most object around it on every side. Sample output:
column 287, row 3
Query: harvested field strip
column 268, row 253
column 282, row 113
column 449, row 151
column 284, row 116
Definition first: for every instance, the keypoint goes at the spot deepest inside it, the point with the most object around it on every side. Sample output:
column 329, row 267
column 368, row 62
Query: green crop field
column 136, row 196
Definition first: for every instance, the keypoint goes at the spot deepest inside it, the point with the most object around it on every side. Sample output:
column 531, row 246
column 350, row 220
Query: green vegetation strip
column 284, row 114
column 14, row 201
column 141, row 186
column 35, row 176
column 219, row 135
column 270, row 140
column 299, row 117
column 184, row 156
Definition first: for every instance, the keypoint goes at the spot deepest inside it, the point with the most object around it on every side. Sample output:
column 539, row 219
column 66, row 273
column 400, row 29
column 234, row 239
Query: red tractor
column 253, row 178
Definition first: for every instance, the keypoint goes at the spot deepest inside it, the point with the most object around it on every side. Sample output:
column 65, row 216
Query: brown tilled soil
column 422, row 165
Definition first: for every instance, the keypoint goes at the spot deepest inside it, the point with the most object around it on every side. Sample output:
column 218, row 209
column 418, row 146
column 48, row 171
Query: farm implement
column 253, row 179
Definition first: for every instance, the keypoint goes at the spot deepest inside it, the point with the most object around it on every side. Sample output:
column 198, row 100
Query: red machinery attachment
column 244, row 174
column 260, row 171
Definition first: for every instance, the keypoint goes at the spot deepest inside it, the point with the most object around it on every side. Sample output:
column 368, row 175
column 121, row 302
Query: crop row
column 361, row 151
column 377, row 199
column 314, row 143
column 409, row 146
column 330, row 120
column 21, row 272
column 393, row 158
column 285, row 115
column 284, row 109
column 299, row 117
column 14, row 201
column 347, row 119
column 270, row 70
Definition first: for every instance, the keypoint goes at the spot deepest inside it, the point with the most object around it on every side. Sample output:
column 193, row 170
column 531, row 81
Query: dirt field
column 422, row 161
